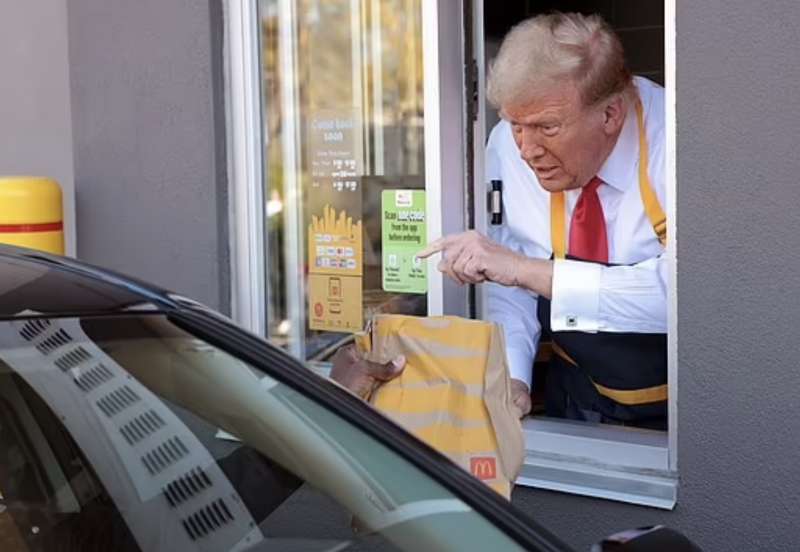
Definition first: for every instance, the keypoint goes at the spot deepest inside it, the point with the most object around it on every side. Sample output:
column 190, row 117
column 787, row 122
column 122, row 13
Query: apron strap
column 652, row 207
column 558, row 224
column 628, row 397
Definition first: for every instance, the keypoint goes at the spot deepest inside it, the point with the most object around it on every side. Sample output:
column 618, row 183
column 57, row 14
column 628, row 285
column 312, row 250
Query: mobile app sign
column 404, row 233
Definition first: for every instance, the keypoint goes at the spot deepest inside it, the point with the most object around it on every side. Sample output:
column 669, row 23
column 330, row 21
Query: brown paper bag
column 454, row 393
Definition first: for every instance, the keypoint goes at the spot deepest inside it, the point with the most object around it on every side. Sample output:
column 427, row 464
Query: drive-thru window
column 357, row 131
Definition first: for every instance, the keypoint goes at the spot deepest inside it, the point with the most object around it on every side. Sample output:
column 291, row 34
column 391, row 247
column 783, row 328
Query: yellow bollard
column 31, row 213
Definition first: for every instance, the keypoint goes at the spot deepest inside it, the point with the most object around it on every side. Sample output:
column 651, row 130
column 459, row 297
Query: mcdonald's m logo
column 483, row 467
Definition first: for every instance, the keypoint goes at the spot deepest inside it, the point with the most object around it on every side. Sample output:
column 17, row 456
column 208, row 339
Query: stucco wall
column 149, row 163
column 738, row 238
column 150, row 177
column 35, row 124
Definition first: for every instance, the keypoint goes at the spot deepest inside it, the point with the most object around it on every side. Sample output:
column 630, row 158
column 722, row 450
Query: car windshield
column 128, row 433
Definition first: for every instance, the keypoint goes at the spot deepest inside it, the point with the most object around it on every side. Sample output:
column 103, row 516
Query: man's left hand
column 520, row 397
column 471, row 258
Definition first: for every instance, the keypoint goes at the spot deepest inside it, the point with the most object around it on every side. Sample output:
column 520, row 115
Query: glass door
column 343, row 127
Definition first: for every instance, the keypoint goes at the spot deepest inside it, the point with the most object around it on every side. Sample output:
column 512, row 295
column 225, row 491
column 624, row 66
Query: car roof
column 33, row 283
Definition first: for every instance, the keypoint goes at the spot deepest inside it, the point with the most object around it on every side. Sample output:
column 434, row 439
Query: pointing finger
column 433, row 247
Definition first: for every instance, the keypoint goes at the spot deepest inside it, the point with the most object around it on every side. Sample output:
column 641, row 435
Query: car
column 132, row 418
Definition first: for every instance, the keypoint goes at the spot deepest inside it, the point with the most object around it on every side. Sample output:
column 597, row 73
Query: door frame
column 244, row 140
column 444, row 129
column 590, row 460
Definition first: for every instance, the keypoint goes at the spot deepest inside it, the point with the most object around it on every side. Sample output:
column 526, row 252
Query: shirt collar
column 620, row 167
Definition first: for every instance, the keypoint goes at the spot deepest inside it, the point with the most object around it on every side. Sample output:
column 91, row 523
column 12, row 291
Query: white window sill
column 616, row 463
column 611, row 462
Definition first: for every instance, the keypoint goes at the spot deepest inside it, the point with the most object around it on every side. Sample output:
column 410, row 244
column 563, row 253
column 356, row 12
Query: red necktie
column 587, row 233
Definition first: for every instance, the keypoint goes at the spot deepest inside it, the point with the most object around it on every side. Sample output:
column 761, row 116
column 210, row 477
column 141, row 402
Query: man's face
column 563, row 141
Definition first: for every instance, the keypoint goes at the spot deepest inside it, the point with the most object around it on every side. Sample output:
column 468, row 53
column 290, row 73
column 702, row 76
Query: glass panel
column 109, row 441
column 343, row 122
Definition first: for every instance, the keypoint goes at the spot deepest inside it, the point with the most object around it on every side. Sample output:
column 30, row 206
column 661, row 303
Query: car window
column 128, row 433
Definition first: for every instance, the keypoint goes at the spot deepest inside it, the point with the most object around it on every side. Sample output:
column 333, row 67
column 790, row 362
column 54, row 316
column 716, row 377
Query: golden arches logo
column 483, row 467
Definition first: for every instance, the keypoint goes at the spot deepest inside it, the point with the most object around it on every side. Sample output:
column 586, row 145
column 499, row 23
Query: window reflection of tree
column 370, row 61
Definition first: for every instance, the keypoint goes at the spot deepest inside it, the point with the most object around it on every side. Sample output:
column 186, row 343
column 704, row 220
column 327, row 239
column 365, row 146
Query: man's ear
column 614, row 114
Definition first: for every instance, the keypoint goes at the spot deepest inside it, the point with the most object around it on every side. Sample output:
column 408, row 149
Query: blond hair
column 541, row 52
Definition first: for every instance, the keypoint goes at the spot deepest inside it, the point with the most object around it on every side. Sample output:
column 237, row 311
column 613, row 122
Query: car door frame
column 293, row 373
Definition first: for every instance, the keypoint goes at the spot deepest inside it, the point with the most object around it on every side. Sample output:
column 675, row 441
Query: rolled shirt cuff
column 575, row 305
column 520, row 365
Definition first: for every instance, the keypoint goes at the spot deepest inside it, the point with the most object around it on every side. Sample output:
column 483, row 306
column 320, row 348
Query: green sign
column 404, row 234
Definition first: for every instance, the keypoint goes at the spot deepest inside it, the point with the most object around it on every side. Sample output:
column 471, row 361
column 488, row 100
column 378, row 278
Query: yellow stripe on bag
column 467, row 378
column 454, row 440
column 438, row 331
column 413, row 422
column 453, row 393
column 432, row 376
column 628, row 397
column 463, row 371
column 397, row 399
column 419, row 382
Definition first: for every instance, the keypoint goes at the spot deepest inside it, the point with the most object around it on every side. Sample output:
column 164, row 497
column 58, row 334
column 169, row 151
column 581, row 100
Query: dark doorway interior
column 640, row 25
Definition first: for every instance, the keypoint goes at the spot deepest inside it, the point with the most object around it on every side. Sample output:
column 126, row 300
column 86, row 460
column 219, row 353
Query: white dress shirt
column 629, row 298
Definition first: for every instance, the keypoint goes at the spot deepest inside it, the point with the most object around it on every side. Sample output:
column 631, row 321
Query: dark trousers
column 570, row 394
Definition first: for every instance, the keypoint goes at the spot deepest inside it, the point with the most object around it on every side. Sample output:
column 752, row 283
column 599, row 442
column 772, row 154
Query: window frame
column 244, row 159
column 444, row 128
column 552, row 459
column 616, row 463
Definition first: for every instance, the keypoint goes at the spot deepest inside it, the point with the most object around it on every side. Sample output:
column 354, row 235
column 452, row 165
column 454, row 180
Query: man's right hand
column 362, row 376
column 520, row 397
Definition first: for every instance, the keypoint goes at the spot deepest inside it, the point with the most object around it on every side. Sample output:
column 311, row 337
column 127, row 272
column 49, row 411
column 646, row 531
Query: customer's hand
column 361, row 376
column 520, row 397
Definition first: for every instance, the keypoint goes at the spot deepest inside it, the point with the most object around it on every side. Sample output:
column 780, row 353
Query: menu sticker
column 335, row 272
column 404, row 233
column 333, row 215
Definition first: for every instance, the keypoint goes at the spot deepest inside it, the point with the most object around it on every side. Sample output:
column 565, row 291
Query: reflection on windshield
column 123, row 413
column 149, row 462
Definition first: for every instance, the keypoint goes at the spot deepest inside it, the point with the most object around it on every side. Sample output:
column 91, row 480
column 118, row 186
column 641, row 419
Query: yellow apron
column 658, row 220
column 652, row 208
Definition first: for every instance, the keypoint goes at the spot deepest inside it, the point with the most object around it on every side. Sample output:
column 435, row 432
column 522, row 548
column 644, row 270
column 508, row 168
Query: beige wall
column 35, row 120
column 149, row 141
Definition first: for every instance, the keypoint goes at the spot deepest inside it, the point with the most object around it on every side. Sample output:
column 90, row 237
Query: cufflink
column 572, row 321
